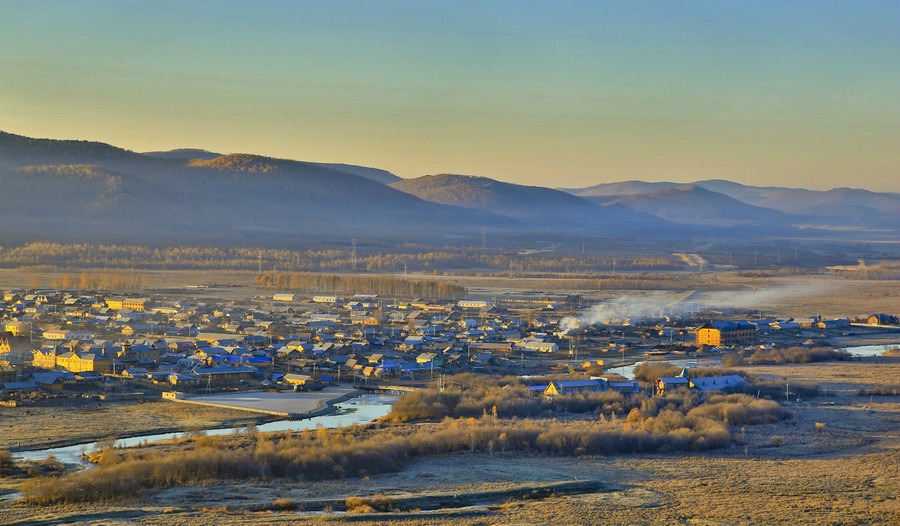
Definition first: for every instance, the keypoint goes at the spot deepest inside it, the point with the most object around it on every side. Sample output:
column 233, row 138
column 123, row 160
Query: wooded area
column 413, row 258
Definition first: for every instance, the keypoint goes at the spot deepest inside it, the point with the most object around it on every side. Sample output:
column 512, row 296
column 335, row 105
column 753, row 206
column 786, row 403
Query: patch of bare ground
column 837, row 378
column 34, row 427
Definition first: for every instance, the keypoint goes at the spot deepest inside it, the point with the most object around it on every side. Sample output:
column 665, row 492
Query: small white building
column 539, row 345
column 67, row 335
column 325, row 299
column 283, row 297
column 475, row 304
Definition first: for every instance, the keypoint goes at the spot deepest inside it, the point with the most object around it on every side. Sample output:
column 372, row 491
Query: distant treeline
column 117, row 280
column 881, row 272
column 385, row 285
column 416, row 258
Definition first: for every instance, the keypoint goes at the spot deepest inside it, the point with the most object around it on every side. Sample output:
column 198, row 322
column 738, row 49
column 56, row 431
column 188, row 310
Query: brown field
column 31, row 427
column 836, row 462
column 826, row 295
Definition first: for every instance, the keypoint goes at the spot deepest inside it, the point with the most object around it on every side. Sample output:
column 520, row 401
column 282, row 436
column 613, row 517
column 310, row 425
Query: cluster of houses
column 81, row 337
column 52, row 338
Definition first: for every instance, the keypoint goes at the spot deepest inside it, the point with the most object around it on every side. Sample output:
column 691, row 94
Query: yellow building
column 71, row 361
column 132, row 304
column 726, row 333
column 16, row 328
column 82, row 362
column 45, row 359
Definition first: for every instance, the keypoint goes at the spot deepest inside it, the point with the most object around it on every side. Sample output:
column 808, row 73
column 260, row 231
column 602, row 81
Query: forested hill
column 695, row 205
column 16, row 150
column 531, row 203
column 69, row 190
column 836, row 207
column 78, row 190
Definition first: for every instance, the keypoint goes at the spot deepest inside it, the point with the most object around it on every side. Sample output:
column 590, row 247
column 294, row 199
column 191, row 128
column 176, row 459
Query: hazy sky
column 787, row 93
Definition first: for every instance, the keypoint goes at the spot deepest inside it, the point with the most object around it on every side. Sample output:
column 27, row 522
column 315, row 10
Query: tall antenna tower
column 483, row 244
column 353, row 255
column 259, row 262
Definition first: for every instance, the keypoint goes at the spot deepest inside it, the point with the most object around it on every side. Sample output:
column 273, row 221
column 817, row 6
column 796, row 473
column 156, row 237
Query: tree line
column 360, row 284
column 416, row 258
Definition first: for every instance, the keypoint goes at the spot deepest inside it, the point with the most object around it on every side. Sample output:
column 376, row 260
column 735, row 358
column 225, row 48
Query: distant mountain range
column 839, row 206
column 92, row 191
column 697, row 206
column 71, row 190
column 534, row 204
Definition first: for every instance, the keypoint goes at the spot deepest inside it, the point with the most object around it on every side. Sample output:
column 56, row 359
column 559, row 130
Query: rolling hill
column 535, row 204
column 184, row 153
column 698, row 206
column 94, row 191
column 71, row 190
column 839, row 206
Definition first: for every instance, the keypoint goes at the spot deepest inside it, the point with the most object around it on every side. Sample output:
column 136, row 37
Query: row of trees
column 115, row 280
column 360, row 284
column 412, row 258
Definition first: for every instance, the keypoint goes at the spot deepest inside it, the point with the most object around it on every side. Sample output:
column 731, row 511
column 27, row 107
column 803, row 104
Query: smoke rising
column 634, row 308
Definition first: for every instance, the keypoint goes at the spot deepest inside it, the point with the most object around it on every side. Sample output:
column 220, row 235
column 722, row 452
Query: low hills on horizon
column 93, row 191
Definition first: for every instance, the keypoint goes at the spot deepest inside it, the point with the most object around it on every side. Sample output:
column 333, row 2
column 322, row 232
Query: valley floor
column 836, row 462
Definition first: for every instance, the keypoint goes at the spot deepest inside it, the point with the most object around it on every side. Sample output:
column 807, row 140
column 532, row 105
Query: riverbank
column 282, row 404
column 30, row 428
column 40, row 428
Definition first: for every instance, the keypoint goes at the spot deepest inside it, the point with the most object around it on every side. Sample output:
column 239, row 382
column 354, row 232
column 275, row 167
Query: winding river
column 357, row 410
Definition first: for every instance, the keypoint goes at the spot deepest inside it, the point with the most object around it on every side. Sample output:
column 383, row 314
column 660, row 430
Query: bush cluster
column 648, row 372
column 678, row 422
column 788, row 355
column 471, row 395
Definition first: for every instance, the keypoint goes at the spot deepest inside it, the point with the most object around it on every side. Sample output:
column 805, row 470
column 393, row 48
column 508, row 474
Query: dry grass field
column 801, row 295
column 31, row 427
column 837, row 461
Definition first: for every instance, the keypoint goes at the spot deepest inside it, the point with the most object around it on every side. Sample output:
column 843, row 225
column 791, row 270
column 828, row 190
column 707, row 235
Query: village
column 62, row 346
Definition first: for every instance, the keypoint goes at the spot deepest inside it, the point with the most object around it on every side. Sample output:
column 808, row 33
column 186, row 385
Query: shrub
column 797, row 355
column 7, row 464
column 369, row 504
column 677, row 422
column 881, row 390
column 285, row 505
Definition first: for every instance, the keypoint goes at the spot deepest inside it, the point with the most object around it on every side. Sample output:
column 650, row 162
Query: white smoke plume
column 635, row 307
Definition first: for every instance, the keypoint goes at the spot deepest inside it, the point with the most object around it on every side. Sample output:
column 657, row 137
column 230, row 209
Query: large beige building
column 726, row 333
